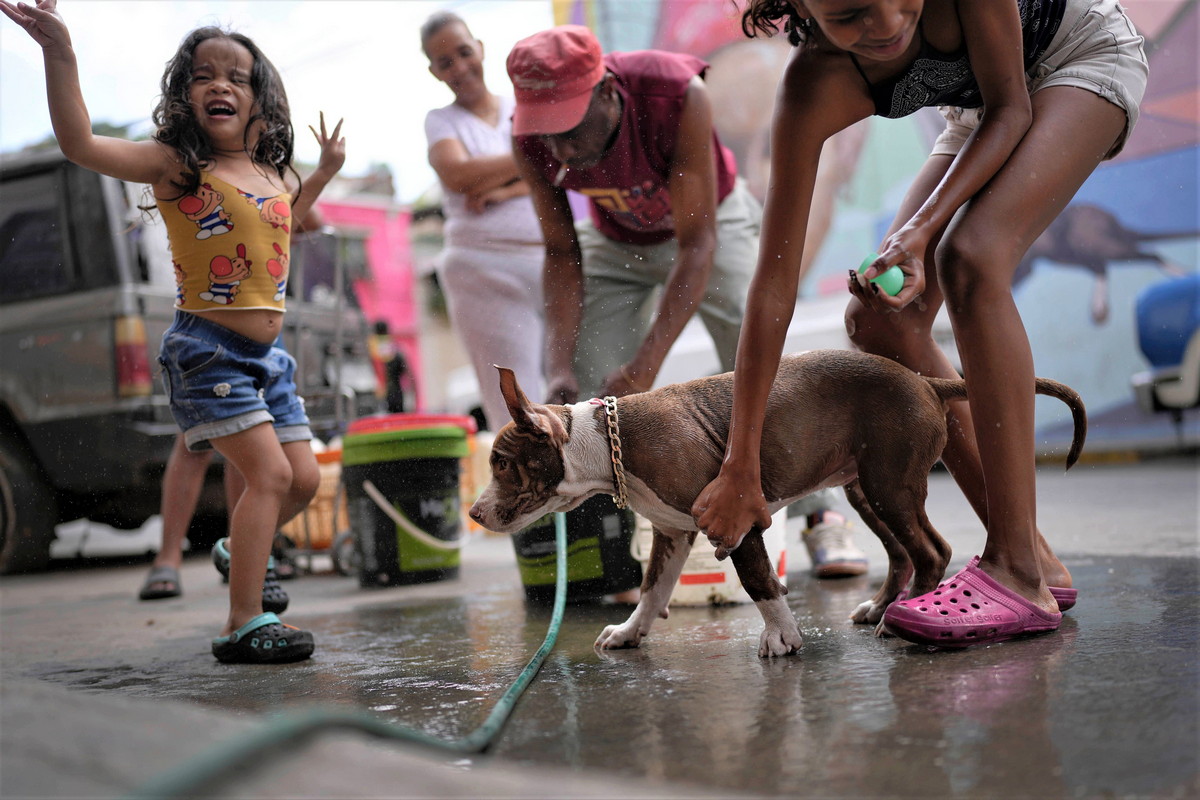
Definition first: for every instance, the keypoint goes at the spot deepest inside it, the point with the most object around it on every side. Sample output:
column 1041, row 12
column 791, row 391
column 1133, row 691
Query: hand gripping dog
column 834, row 418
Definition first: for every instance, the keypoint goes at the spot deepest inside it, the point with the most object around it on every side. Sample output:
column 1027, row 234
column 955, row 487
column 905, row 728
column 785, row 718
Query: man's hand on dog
column 725, row 512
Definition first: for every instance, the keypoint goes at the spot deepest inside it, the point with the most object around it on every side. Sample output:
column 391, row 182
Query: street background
column 100, row 693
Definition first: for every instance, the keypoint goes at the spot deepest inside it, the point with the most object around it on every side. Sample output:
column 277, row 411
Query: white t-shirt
column 513, row 220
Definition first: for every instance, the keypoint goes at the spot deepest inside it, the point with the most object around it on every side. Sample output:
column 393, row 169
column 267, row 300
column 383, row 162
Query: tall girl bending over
column 1036, row 93
column 220, row 168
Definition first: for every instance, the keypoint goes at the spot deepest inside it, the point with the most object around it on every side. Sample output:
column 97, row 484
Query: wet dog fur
column 833, row 418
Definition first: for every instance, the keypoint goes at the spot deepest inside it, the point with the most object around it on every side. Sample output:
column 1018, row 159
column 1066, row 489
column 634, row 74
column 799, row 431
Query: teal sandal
column 274, row 598
column 264, row 640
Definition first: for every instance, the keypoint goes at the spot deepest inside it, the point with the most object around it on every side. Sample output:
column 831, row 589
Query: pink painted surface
column 1152, row 16
column 686, row 26
column 390, row 292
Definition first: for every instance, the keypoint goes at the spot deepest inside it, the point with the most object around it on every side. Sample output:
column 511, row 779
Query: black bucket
column 599, row 558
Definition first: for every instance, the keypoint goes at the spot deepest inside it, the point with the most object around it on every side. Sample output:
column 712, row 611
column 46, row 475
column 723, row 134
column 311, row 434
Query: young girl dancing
column 1036, row 93
column 220, row 168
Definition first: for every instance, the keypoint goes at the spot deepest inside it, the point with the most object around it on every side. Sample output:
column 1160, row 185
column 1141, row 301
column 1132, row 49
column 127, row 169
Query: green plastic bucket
column 599, row 557
column 402, row 492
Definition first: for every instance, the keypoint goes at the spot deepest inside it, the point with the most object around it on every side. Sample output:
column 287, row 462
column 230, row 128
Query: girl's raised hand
column 42, row 21
column 333, row 147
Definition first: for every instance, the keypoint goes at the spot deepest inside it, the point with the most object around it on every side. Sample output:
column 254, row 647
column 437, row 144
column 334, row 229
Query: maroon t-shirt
column 628, row 188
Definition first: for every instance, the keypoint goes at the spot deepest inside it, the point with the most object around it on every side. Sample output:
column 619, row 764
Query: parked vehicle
column 86, row 290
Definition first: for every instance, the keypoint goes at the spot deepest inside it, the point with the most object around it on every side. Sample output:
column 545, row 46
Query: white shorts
column 1096, row 49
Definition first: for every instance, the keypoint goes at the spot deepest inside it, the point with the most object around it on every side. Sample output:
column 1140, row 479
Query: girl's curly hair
column 763, row 16
column 176, row 124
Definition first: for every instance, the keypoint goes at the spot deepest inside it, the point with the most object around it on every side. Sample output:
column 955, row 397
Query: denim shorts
column 220, row 383
column 1096, row 49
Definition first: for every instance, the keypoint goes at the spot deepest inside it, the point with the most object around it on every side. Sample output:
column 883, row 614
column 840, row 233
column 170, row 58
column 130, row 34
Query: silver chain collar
column 614, row 442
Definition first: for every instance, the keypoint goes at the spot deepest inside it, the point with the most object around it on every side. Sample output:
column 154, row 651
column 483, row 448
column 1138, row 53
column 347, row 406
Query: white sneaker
column 832, row 550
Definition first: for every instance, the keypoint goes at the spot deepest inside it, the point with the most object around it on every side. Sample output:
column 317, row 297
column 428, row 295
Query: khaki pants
column 621, row 289
column 622, row 283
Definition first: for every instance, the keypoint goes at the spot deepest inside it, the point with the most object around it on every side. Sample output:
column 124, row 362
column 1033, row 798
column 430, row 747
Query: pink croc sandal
column 971, row 608
column 1063, row 595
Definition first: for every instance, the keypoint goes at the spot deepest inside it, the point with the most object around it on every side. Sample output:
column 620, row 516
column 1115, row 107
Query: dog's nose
column 475, row 513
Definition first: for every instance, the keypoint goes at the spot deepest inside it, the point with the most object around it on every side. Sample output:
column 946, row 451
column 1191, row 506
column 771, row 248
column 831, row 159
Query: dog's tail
column 957, row 390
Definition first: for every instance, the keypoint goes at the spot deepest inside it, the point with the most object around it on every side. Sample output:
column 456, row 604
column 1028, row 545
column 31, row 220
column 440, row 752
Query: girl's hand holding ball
column 891, row 280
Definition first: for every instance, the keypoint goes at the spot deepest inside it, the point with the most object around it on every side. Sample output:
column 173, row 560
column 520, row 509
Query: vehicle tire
column 28, row 511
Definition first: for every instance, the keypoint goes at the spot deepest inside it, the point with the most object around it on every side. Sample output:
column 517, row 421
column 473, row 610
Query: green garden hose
column 282, row 733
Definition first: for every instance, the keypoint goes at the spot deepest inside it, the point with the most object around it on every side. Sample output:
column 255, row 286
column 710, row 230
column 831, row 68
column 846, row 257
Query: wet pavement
column 1107, row 706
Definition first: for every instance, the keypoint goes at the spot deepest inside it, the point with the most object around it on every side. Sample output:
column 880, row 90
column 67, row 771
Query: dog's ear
column 514, row 398
column 529, row 417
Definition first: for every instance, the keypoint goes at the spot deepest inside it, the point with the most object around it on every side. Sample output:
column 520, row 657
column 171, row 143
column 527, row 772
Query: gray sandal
column 152, row 588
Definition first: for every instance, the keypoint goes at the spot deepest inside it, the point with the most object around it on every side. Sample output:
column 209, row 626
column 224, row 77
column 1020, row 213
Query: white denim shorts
column 1096, row 49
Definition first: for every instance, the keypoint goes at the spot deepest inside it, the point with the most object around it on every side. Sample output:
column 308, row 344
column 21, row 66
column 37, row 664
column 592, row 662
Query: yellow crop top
column 230, row 248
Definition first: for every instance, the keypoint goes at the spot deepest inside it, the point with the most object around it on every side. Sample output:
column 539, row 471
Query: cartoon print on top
column 272, row 210
column 225, row 275
column 278, row 268
column 180, row 277
column 204, row 208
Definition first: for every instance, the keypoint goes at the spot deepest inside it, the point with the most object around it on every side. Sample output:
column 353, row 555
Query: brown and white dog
column 834, row 418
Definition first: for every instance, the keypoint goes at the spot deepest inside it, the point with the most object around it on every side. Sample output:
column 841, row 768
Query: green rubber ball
column 891, row 280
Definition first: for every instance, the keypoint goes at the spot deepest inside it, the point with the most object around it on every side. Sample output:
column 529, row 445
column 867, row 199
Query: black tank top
column 935, row 78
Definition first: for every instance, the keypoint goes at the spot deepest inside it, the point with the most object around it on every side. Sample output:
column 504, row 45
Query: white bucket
column 706, row 581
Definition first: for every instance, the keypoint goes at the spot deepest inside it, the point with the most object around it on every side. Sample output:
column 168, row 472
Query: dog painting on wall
column 1088, row 237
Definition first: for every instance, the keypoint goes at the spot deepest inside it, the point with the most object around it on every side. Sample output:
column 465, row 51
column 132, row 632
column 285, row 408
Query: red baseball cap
column 553, row 74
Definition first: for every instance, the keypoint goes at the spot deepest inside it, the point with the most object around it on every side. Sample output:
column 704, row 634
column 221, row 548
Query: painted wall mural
column 1132, row 226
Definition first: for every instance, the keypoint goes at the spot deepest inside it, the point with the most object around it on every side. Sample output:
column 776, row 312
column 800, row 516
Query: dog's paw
column 724, row 549
column 882, row 632
column 779, row 642
column 615, row 637
column 868, row 613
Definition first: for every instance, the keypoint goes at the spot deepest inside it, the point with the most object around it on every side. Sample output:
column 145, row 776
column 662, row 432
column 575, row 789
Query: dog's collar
column 621, row 496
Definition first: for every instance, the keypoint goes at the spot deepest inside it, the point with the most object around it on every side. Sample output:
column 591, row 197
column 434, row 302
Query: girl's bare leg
column 1071, row 132
column 906, row 337
column 306, row 477
column 234, row 485
column 267, row 473
column 181, row 486
column 182, row 483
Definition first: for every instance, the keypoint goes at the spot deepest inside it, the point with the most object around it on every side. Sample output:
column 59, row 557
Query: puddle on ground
column 1107, row 704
